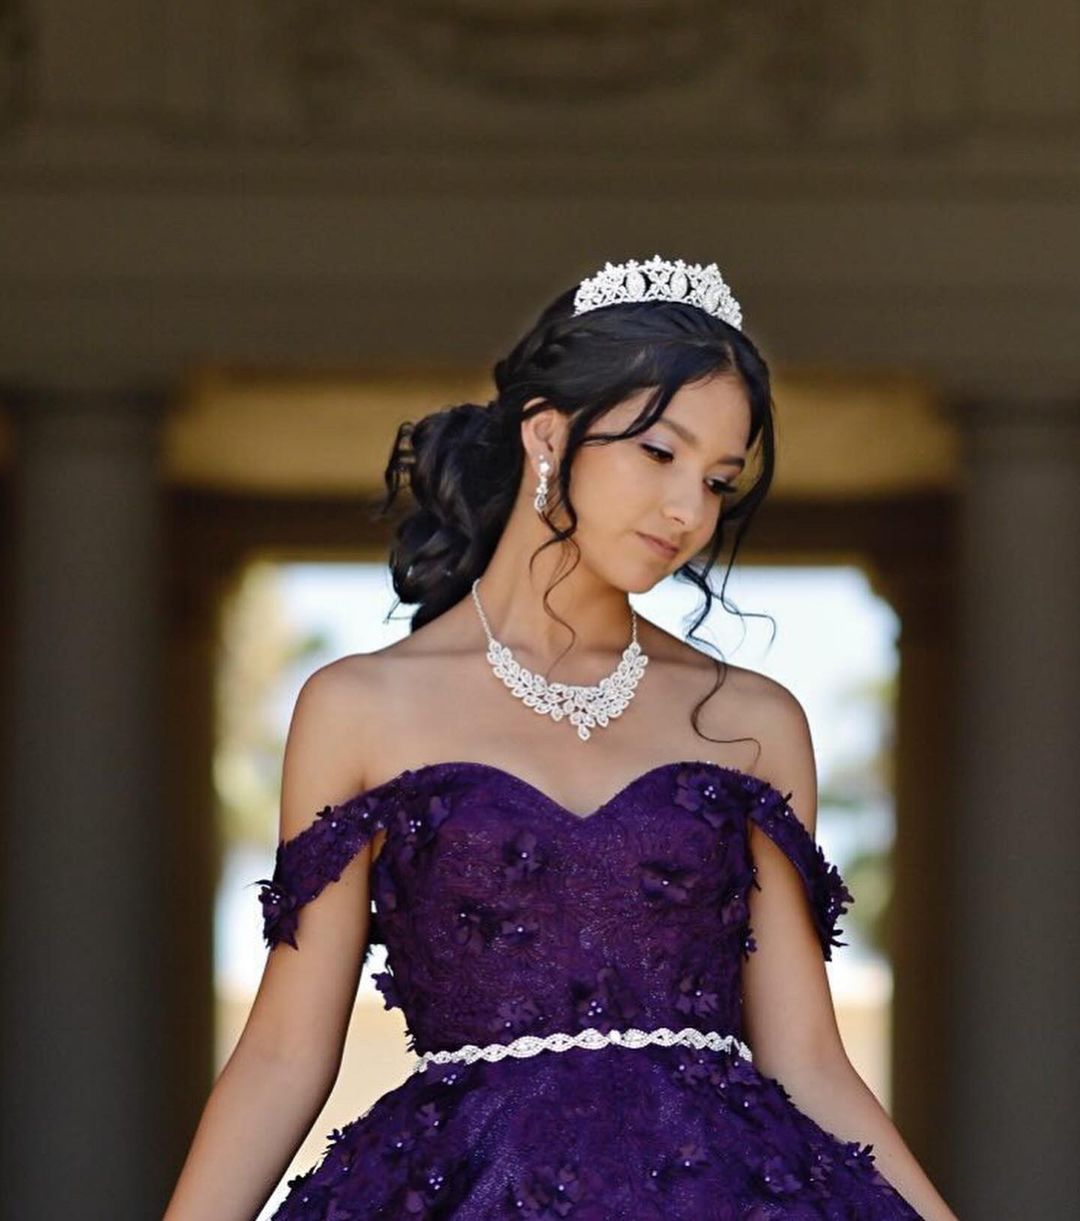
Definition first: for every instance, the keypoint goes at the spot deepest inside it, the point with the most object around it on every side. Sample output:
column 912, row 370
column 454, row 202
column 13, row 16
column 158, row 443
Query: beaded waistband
column 531, row 1044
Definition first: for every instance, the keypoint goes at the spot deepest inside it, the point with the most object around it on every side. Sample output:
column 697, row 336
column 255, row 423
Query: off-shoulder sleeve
column 316, row 856
column 828, row 895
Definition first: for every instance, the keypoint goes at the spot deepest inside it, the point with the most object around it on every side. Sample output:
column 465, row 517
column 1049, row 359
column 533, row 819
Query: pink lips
column 661, row 548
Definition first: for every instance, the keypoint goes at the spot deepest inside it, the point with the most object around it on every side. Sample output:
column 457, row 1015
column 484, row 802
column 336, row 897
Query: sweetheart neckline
column 410, row 773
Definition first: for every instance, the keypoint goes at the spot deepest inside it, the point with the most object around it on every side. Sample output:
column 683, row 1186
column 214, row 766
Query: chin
column 642, row 584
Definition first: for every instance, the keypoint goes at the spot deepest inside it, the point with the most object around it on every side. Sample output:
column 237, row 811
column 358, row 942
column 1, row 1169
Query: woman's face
column 668, row 482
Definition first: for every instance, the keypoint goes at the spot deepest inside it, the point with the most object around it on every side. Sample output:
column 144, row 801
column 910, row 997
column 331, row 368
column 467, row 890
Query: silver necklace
column 585, row 707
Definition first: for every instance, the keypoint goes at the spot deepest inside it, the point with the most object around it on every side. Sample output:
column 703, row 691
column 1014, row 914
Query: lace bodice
column 504, row 914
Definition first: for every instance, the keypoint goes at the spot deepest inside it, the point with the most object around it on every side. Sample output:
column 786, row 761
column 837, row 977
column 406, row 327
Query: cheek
column 607, row 482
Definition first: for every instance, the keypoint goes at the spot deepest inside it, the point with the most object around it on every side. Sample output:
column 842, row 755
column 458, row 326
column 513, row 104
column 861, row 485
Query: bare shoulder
column 759, row 697
column 346, row 687
column 757, row 707
column 332, row 741
column 787, row 751
column 354, row 699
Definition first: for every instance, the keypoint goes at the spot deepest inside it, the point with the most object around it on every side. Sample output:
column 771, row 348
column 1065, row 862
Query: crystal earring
column 540, row 499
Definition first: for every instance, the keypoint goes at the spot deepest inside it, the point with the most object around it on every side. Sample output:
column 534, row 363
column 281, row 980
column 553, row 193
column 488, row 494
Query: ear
column 544, row 433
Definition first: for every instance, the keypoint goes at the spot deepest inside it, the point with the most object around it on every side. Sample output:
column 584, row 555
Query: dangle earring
column 540, row 499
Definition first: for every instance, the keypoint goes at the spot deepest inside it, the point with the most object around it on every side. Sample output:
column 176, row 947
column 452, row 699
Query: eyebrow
column 682, row 431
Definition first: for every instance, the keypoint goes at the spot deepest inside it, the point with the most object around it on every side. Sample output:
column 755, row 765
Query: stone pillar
column 915, row 571
column 83, row 1020
column 1015, row 1072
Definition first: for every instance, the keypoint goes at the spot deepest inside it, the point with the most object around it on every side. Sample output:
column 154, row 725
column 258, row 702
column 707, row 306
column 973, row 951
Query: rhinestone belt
column 531, row 1044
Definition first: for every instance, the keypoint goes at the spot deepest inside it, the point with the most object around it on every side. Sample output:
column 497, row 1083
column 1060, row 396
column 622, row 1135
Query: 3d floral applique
column 666, row 881
column 734, row 908
column 312, row 859
column 385, row 983
column 418, row 819
column 780, row 1175
column 668, row 1172
column 472, row 926
column 548, row 1190
column 695, row 997
column 701, row 792
column 517, row 929
column 521, row 856
column 689, row 1068
column 514, row 1017
column 828, row 895
column 280, row 907
column 858, row 1156
column 743, row 1088
column 605, row 1002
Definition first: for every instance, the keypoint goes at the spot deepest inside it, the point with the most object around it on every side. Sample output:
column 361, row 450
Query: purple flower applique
column 401, row 1143
column 749, row 945
column 428, row 1118
column 548, row 1191
column 700, row 793
column 740, row 1084
column 695, row 997
column 691, row 1156
column 735, row 908
column 418, row 824
column 422, row 1196
column 664, row 882
column 520, row 856
column 516, row 1017
column 858, row 1157
column 822, row 1168
column 424, row 1123
column 606, row 1003
column 690, row 1068
column 472, row 926
column 315, row 1196
column 778, row 1173
column 687, row 1158
column 280, row 910
column 384, row 981
column 444, row 1074
column 515, row 929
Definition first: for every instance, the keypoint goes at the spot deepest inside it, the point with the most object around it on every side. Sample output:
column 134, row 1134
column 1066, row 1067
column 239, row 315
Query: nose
column 685, row 509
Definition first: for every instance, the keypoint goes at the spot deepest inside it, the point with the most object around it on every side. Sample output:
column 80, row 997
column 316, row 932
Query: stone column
column 915, row 570
column 1015, row 1073
column 83, row 1104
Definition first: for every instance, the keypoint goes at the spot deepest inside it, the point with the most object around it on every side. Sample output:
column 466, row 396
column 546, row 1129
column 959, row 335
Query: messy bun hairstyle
column 464, row 464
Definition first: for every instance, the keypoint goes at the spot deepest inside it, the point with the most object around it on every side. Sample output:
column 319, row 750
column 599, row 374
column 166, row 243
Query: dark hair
column 464, row 463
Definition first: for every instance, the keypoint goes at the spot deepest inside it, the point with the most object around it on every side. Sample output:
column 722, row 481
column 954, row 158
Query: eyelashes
column 719, row 487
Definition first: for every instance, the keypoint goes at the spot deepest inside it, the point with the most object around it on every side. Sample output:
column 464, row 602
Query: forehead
column 716, row 412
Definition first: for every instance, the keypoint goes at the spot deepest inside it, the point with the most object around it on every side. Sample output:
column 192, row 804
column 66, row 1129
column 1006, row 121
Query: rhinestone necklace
column 585, row 707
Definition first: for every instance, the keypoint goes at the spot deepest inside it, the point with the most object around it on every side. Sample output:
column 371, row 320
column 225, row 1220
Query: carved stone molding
column 753, row 72
column 588, row 48
column 590, row 79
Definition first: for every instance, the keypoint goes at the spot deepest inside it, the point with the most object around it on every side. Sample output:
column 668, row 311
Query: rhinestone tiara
column 659, row 279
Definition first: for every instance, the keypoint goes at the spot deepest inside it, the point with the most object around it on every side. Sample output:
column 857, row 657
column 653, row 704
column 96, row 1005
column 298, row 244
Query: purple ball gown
column 506, row 915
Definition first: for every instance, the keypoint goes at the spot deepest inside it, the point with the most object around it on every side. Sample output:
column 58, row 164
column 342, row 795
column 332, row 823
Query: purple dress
column 505, row 915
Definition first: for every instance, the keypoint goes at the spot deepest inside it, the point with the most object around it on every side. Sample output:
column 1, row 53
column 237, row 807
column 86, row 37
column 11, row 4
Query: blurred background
column 240, row 241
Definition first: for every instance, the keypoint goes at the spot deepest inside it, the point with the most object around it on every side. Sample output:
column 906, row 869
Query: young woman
column 605, row 912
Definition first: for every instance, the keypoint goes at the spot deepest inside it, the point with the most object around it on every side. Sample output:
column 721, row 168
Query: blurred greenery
column 866, row 779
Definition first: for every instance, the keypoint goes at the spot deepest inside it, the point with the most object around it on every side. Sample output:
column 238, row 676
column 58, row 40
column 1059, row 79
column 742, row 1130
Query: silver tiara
column 659, row 279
